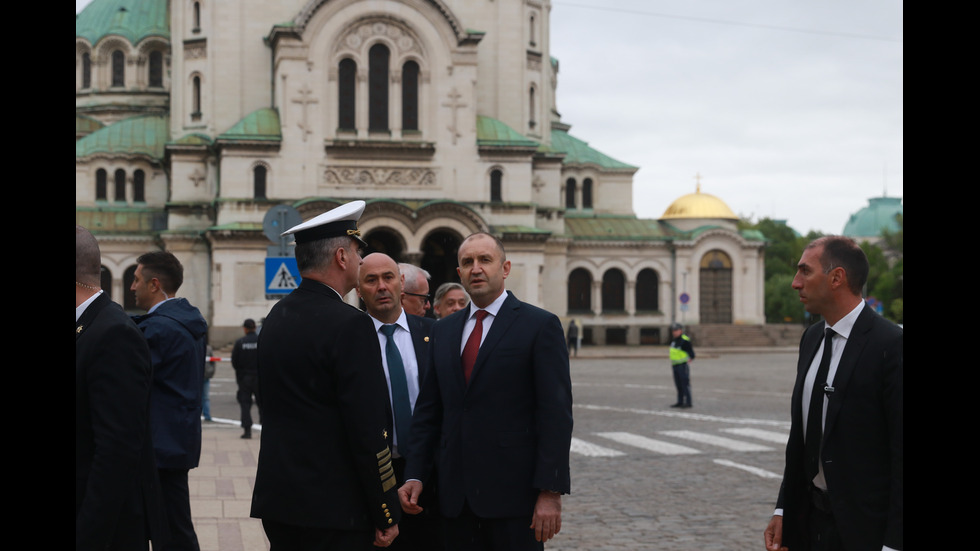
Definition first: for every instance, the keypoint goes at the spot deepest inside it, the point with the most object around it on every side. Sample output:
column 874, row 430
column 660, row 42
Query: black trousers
column 248, row 386
column 467, row 532
column 424, row 531
column 288, row 537
column 177, row 505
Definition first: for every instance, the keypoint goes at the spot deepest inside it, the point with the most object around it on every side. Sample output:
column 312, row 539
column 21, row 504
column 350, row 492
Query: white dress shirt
column 403, row 340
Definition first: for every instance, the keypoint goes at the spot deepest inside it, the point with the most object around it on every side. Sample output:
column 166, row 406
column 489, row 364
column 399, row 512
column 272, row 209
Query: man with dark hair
column 843, row 482
column 245, row 361
column 324, row 478
column 494, row 415
column 176, row 332
column 117, row 493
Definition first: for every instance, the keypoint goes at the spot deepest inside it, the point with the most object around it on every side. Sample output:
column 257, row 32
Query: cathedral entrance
column 716, row 287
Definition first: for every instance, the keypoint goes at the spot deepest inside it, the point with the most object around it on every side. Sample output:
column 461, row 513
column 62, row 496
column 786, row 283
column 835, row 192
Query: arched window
column 197, row 17
column 129, row 299
column 105, row 281
column 120, row 181
column 101, row 185
column 118, row 68
column 346, row 93
column 139, row 187
column 156, row 69
column 613, row 291
column 496, row 181
column 531, row 31
column 570, row 193
column 86, row 70
column 258, row 176
column 378, row 88
column 196, row 98
column 530, row 108
column 647, row 291
column 580, row 291
column 587, row 193
column 410, row 96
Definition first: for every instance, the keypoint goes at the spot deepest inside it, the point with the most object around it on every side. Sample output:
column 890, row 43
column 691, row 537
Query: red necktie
column 473, row 345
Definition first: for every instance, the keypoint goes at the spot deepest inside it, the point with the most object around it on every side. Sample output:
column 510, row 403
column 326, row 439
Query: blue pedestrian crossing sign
column 281, row 275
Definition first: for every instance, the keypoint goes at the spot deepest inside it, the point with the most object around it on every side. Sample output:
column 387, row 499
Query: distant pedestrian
column 572, row 338
column 245, row 361
column 209, row 369
column 681, row 356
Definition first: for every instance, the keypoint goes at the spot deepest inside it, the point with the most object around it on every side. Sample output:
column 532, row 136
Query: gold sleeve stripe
column 389, row 483
column 386, row 470
column 384, row 455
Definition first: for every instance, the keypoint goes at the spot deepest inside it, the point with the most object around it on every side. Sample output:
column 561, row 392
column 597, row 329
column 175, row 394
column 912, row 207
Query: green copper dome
column 880, row 214
column 133, row 20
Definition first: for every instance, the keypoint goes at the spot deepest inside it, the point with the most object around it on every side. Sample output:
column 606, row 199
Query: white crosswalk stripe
column 589, row 449
column 649, row 444
column 767, row 435
column 720, row 441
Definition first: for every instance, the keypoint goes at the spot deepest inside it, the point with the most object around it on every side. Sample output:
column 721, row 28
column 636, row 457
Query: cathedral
column 202, row 126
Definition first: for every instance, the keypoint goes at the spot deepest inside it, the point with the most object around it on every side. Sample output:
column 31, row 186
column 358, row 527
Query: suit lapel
column 501, row 323
column 808, row 351
column 90, row 314
column 848, row 363
column 420, row 344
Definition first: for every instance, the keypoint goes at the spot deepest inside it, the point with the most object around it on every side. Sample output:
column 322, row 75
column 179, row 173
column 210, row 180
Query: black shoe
column 677, row 405
column 247, row 435
column 685, row 406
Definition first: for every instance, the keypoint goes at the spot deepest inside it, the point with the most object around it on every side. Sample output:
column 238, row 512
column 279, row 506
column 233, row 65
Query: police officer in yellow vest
column 681, row 354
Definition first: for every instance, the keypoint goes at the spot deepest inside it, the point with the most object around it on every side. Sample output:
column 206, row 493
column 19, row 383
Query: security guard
column 324, row 478
column 681, row 354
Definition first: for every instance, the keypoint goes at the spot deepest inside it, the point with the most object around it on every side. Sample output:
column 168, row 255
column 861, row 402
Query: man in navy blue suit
column 494, row 415
column 843, row 483
column 404, row 340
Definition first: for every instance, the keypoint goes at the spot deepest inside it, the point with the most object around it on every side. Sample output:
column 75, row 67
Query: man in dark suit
column 494, row 417
column 842, row 487
column 324, row 478
column 404, row 340
column 117, row 495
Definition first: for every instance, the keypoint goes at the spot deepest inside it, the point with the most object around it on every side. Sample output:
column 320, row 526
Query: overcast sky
column 786, row 109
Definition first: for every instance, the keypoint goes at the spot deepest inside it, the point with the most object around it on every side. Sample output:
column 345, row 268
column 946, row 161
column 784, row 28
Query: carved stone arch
column 465, row 218
column 102, row 61
column 143, row 51
column 307, row 13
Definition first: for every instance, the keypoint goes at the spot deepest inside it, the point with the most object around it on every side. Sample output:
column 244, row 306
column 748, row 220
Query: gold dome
column 698, row 205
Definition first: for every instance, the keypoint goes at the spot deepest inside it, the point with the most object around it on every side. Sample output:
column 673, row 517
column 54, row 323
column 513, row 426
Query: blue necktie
column 401, row 406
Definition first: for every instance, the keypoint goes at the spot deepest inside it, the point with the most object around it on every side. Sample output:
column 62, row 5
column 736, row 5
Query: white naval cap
column 337, row 222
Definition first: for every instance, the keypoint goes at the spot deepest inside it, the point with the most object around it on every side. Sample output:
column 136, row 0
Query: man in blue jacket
column 175, row 331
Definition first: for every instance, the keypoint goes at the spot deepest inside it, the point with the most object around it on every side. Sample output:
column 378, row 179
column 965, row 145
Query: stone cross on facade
column 454, row 104
column 305, row 99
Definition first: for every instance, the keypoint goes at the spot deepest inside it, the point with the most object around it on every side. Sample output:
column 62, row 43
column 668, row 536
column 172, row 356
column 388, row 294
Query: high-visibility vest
column 678, row 355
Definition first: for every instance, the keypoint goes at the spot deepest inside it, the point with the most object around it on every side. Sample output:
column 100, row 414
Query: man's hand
column 774, row 534
column 408, row 495
column 383, row 538
column 546, row 520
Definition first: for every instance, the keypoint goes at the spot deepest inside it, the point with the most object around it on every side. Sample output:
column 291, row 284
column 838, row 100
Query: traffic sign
column 685, row 298
column 281, row 275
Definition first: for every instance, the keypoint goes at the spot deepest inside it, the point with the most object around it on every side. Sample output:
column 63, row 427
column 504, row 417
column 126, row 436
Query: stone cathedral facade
column 194, row 118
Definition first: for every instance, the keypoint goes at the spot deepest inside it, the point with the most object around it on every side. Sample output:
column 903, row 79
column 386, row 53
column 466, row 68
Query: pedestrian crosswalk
column 679, row 442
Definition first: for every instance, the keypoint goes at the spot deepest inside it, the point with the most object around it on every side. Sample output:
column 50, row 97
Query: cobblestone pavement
column 644, row 476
